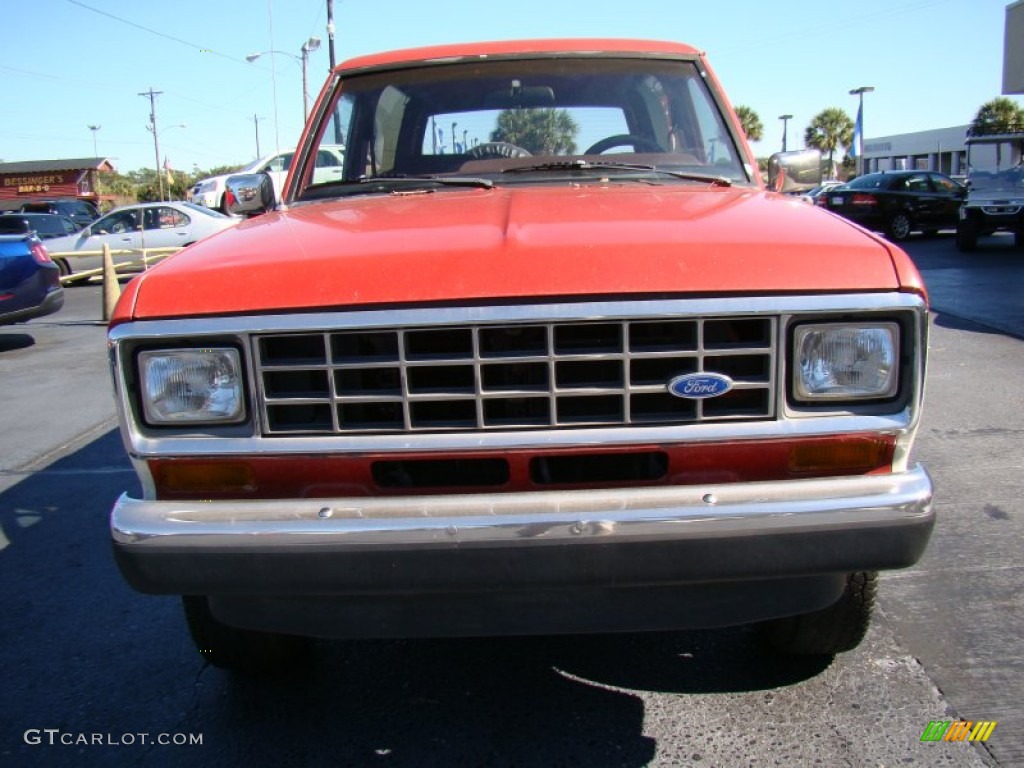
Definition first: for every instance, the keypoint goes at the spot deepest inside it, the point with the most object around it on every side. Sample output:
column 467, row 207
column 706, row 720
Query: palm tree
column 828, row 131
column 540, row 131
column 753, row 129
column 1000, row 115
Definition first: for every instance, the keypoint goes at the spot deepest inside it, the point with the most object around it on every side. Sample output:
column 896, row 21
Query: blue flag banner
column 858, row 132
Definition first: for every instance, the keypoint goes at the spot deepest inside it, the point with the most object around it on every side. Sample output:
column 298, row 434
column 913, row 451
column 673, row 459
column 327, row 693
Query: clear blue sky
column 68, row 64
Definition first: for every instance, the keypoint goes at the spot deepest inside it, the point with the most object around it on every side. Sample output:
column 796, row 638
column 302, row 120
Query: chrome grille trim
column 485, row 377
column 143, row 442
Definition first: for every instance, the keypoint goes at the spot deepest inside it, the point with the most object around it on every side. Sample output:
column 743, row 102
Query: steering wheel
column 497, row 149
column 639, row 144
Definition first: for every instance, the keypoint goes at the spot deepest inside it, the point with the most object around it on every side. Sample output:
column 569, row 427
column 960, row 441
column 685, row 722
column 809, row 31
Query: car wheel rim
column 900, row 227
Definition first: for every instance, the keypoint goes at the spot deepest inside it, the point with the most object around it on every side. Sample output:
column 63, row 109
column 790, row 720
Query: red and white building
column 47, row 179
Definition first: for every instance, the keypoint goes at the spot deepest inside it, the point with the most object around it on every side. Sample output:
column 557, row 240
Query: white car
column 330, row 161
column 815, row 196
column 145, row 225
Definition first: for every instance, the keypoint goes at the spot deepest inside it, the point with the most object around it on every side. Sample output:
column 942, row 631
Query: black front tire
column 966, row 236
column 839, row 627
column 245, row 651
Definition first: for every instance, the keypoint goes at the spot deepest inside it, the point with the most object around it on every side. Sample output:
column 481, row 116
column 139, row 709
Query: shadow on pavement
column 13, row 341
column 961, row 324
column 87, row 655
column 982, row 287
column 499, row 701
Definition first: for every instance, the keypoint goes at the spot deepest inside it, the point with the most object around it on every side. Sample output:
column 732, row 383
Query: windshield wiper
column 447, row 181
column 388, row 185
column 584, row 165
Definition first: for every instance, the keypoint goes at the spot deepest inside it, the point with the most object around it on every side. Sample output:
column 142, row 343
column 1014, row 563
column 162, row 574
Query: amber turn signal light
column 853, row 455
column 215, row 478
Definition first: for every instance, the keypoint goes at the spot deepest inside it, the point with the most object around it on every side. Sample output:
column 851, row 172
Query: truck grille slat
column 559, row 375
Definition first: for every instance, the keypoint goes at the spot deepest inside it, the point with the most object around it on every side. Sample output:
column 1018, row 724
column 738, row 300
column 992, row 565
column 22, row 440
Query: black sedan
column 29, row 280
column 899, row 202
column 82, row 211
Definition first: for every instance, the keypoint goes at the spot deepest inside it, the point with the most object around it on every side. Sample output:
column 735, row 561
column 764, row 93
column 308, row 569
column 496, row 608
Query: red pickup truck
column 546, row 356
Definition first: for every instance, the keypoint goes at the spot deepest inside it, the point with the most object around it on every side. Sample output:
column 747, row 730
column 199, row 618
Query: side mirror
column 794, row 171
column 249, row 194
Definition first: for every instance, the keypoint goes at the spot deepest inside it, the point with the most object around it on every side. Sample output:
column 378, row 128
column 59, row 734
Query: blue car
column 29, row 280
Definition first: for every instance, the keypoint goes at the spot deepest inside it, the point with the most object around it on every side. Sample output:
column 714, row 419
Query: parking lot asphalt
column 946, row 643
column 986, row 287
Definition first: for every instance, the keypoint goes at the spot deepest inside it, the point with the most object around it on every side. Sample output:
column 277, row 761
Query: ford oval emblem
column 697, row 386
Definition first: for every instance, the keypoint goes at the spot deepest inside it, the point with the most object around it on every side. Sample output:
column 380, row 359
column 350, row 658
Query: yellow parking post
column 111, row 287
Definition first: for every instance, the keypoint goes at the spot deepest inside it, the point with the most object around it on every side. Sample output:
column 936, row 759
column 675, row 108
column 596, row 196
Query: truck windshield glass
column 996, row 165
column 482, row 118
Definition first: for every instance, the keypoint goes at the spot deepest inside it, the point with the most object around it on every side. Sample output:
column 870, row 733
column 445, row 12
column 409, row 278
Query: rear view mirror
column 794, row 171
column 518, row 96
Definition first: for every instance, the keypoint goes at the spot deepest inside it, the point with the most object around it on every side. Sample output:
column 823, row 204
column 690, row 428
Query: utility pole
column 156, row 141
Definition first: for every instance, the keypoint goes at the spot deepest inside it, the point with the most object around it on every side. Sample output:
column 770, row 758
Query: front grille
column 561, row 375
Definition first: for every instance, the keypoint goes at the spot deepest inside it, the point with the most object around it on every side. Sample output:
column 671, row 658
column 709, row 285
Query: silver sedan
column 137, row 227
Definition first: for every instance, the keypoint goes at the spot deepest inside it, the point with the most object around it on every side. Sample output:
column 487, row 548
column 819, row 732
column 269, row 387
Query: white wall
column 1013, row 49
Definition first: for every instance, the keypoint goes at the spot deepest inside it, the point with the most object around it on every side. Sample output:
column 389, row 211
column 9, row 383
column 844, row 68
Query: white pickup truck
column 995, row 186
column 210, row 192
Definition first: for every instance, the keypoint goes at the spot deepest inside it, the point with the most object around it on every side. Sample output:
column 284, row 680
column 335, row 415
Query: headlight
column 191, row 386
column 841, row 361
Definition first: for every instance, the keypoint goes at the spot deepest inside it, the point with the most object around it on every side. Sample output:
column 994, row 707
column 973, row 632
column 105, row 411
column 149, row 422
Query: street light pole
column 94, row 129
column 330, row 33
column 95, row 154
column 338, row 137
column 858, row 129
column 307, row 47
column 785, row 121
column 256, row 123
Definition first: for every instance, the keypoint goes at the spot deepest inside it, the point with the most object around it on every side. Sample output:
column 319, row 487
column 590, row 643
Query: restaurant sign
column 34, row 183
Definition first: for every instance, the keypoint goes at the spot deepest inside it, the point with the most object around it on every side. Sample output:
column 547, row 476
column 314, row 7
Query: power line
column 156, row 32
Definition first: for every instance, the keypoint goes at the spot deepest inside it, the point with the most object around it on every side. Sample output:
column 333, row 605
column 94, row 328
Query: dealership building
column 942, row 149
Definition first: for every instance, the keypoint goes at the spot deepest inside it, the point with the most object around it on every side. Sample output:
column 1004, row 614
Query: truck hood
column 530, row 242
column 995, row 192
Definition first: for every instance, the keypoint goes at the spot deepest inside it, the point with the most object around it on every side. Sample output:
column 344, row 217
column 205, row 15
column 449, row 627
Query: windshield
column 275, row 163
column 996, row 166
column 538, row 117
column 203, row 210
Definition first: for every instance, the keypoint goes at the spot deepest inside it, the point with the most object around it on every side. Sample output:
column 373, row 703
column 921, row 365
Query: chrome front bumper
column 527, row 541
